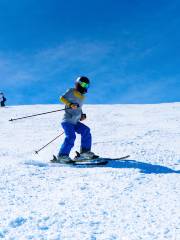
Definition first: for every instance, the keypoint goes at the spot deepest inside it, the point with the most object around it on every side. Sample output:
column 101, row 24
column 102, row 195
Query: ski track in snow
column 133, row 199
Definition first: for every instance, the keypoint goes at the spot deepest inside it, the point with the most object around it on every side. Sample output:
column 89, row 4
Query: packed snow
column 132, row 199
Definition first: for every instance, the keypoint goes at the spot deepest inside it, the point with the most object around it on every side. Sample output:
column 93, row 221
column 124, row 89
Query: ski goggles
column 84, row 85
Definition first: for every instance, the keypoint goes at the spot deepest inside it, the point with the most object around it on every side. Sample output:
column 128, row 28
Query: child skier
column 73, row 100
column 2, row 99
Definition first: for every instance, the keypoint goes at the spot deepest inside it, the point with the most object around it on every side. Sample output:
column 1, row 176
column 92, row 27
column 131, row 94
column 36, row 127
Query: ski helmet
column 82, row 84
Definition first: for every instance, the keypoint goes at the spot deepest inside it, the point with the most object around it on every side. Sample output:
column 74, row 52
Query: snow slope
column 132, row 199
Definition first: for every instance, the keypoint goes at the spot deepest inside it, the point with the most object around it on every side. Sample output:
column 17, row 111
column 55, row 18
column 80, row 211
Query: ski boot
column 85, row 156
column 61, row 159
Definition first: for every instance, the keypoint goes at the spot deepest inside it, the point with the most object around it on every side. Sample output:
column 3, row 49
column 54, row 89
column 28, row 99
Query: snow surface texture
column 132, row 199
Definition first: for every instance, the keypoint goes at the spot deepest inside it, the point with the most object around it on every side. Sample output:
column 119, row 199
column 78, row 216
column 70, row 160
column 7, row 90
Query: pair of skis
column 96, row 161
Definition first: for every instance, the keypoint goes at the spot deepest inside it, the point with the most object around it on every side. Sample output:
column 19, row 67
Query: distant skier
column 73, row 100
column 2, row 99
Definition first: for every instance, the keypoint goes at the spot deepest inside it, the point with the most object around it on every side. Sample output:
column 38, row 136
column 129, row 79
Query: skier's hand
column 74, row 105
column 83, row 117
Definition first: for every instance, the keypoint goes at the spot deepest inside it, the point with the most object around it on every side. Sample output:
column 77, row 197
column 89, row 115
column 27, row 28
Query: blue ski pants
column 70, row 131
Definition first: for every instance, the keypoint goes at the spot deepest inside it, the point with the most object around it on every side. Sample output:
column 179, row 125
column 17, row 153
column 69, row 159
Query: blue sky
column 129, row 49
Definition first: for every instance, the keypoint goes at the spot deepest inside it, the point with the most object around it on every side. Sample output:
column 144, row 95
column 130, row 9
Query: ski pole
column 37, row 151
column 14, row 119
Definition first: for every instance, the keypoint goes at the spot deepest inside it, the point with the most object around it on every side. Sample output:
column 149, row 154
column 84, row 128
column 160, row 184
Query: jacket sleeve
column 64, row 99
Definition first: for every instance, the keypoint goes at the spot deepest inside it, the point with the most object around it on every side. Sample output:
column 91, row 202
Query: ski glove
column 83, row 117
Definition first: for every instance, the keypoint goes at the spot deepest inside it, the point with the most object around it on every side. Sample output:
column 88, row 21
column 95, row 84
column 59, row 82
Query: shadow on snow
column 146, row 168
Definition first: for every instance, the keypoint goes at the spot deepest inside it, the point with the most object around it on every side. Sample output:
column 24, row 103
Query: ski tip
column 36, row 152
column 127, row 156
column 10, row 120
